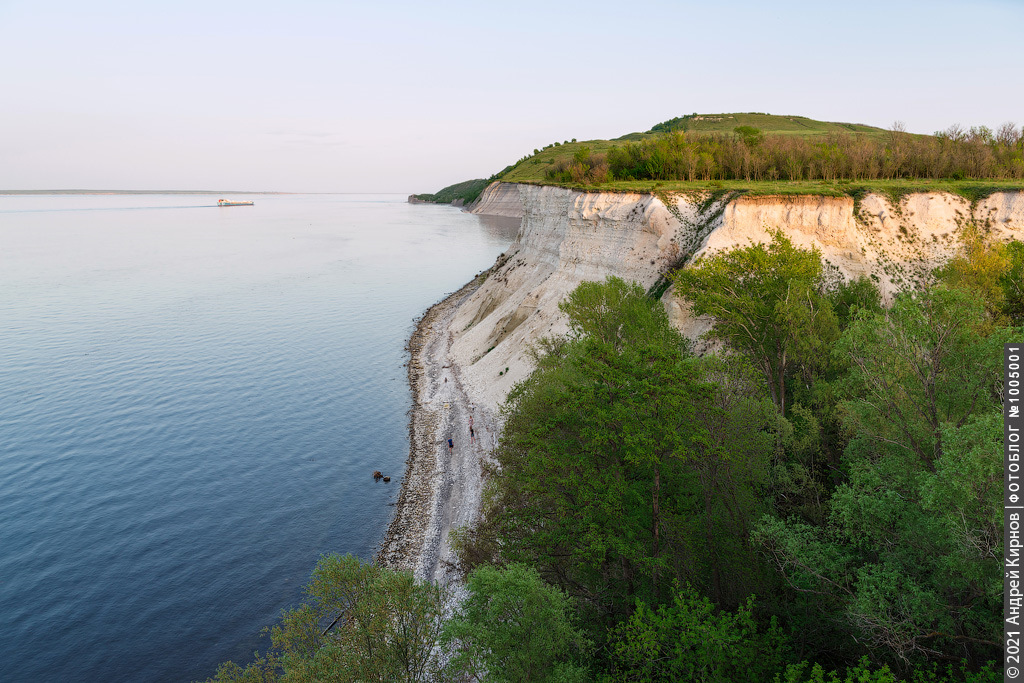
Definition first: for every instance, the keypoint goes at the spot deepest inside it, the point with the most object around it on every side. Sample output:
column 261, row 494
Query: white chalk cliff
column 569, row 236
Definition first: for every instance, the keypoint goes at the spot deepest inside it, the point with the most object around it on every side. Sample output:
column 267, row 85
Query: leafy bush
column 690, row 640
column 584, row 168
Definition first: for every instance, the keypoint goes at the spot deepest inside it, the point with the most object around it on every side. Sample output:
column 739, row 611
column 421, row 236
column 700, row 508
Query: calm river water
column 192, row 401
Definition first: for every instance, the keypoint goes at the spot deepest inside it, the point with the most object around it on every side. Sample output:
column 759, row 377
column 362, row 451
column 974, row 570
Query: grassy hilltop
column 767, row 123
column 761, row 153
column 532, row 168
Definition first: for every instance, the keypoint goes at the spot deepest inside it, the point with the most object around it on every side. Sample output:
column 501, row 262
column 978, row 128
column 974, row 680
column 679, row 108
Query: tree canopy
column 767, row 302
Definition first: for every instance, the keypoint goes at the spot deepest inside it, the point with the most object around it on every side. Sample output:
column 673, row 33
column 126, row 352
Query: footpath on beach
column 442, row 486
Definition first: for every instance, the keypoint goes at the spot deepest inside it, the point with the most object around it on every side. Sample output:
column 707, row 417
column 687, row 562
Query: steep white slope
column 569, row 236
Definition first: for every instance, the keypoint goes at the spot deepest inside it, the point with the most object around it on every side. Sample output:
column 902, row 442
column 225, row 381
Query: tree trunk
column 709, row 540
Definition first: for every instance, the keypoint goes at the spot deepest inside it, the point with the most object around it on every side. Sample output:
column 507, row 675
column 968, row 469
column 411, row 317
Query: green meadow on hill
column 767, row 123
column 769, row 154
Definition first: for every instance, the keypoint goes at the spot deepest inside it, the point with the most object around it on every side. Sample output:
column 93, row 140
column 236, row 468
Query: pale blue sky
column 409, row 97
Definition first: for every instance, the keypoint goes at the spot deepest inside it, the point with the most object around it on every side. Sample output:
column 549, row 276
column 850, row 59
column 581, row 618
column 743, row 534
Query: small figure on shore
column 451, row 446
column 377, row 475
column 472, row 435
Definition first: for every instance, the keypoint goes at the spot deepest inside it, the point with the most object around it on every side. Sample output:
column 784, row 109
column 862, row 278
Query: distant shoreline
column 139, row 192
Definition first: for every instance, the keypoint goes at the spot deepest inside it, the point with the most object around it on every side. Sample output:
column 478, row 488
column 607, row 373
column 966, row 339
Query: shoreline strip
column 414, row 540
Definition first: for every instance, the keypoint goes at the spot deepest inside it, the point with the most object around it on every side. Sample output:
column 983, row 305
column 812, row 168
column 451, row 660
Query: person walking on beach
column 472, row 436
column 451, row 446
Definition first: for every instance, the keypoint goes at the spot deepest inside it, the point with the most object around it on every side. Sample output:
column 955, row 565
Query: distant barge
column 225, row 202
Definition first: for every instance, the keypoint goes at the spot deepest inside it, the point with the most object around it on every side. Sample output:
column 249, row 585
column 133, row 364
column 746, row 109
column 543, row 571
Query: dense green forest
column 816, row 501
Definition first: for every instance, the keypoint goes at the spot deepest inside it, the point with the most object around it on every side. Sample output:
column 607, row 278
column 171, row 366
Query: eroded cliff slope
column 568, row 236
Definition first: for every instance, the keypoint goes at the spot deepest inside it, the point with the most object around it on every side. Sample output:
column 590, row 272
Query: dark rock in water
column 377, row 475
column 387, row 479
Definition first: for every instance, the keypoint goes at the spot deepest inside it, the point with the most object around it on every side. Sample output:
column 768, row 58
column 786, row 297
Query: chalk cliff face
column 567, row 237
column 499, row 199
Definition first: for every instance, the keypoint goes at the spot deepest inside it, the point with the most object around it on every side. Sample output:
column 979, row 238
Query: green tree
column 690, row 640
column 982, row 269
column 514, row 627
column 359, row 623
column 728, row 467
column 751, row 136
column 929, row 360
column 586, row 443
column 620, row 458
column 619, row 314
column 812, row 435
column 766, row 303
column 849, row 297
column 628, row 334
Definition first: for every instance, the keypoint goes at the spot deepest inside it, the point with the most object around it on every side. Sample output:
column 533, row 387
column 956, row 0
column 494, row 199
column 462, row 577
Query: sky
column 318, row 96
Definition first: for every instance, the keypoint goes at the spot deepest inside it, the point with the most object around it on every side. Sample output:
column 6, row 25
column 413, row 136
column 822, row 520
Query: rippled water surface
column 192, row 400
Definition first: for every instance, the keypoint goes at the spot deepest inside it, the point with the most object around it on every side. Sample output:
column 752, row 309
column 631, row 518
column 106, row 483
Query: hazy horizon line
column 114, row 192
